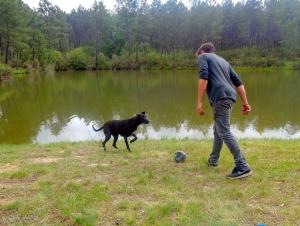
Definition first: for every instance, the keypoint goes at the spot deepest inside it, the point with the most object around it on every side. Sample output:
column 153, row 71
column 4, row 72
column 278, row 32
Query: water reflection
column 77, row 129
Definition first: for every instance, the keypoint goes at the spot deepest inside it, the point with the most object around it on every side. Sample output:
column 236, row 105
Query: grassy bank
column 79, row 184
column 83, row 59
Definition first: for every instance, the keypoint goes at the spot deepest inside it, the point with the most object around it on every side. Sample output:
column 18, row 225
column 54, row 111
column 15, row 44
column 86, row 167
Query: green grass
column 20, row 71
column 80, row 184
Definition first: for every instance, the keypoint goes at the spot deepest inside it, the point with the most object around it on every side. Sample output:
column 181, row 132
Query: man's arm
column 242, row 93
column 202, row 85
column 202, row 82
column 240, row 89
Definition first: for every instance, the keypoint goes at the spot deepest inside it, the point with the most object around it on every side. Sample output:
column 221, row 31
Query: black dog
column 125, row 128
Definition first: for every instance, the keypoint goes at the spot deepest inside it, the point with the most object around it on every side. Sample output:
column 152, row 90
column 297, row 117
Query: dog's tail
column 97, row 130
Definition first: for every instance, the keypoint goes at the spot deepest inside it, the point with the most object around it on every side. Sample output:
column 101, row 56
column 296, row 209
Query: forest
column 157, row 35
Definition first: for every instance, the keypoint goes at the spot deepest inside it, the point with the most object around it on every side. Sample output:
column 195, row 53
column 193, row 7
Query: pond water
column 52, row 107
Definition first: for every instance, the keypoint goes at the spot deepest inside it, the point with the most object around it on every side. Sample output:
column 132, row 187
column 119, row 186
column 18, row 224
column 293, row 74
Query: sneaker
column 237, row 174
column 211, row 164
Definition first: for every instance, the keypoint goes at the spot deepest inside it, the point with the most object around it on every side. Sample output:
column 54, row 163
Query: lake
column 52, row 107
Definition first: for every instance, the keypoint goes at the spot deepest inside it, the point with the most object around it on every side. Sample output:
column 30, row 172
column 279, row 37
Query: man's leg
column 222, row 111
column 216, row 149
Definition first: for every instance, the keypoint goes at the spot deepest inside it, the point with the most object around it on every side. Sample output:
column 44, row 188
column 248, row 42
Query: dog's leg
column 126, row 142
column 134, row 138
column 107, row 137
column 115, row 141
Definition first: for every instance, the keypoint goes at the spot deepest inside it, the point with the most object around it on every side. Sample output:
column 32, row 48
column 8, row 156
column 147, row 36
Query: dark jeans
column 222, row 109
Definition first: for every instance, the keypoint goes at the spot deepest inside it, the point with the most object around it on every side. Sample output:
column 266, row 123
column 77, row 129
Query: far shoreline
column 24, row 71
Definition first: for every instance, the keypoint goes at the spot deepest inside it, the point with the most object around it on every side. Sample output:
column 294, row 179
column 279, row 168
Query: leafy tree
column 11, row 25
column 99, row 18
column 54, row 25
column 127, row 15
column 37, row 42
column 80, row 32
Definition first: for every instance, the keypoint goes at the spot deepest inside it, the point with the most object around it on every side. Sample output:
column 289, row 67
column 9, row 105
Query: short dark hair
column 207, row 47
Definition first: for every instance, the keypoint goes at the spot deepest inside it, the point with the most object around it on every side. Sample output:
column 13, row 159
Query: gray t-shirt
column 221, row 77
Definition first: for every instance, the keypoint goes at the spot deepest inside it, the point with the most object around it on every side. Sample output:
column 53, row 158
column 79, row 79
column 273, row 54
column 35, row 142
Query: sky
column 68, row 5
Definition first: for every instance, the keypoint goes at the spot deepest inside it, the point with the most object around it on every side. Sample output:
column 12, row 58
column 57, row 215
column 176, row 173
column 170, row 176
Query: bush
column 296, row 65
column 5, row 70
column 124, row 63
column 78, row 59
column 253, row 57
column 52, row 56
column 62, row 65
column 261, row 62
column 104, row 62
column 151, row 60
column 16, row 63
column 20, row 71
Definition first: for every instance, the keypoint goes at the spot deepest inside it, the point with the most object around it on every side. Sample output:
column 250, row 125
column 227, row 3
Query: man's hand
column 246, row 109
column 202, row 84
column 200, row 109
column 242, row 93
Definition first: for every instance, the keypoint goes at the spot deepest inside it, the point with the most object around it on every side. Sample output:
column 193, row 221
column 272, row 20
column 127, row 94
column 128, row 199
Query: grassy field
column 80, row 184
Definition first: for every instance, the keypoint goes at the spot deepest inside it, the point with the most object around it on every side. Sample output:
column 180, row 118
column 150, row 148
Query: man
column 219, row 80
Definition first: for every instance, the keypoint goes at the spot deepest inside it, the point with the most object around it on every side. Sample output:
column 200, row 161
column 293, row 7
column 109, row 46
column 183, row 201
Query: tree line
column 138, row 31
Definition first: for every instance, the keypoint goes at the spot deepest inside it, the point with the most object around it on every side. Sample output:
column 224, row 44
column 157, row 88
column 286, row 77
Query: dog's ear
column 143, row 113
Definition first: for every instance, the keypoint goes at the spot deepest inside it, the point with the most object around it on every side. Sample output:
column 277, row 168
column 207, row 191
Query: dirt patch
column 105, row 164
column 82, row 152
column 78, row 180
column 9, row 183
column 106, row 177
column 45, row 160
column 79, row 156
column 93, row 165
column 7, row 217
column 9, row 167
